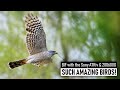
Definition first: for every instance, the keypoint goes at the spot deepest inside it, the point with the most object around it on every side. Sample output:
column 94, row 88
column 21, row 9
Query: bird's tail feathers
column 18, row 63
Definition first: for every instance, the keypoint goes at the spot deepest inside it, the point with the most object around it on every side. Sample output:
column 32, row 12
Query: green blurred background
column 75, row 35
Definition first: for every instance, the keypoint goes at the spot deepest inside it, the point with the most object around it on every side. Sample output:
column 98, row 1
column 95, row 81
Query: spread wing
column 36, row 38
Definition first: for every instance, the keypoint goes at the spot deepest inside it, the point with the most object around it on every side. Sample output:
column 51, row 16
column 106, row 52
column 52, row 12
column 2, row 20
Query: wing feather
column 35, row 38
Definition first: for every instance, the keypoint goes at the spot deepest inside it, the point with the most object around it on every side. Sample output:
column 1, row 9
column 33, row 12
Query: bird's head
column 52, row 52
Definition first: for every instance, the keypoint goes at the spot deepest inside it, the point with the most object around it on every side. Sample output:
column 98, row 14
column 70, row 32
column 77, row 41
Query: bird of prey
column 36, row 44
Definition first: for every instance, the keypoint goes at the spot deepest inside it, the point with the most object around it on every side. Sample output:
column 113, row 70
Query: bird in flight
column 36, row 44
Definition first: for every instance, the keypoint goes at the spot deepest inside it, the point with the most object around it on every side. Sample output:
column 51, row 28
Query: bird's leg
column 38, row 64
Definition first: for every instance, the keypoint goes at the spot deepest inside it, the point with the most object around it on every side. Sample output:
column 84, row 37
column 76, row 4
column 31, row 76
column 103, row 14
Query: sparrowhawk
column 36, row 44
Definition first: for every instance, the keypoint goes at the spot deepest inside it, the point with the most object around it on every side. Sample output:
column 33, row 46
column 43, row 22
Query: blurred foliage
column 76, row 35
